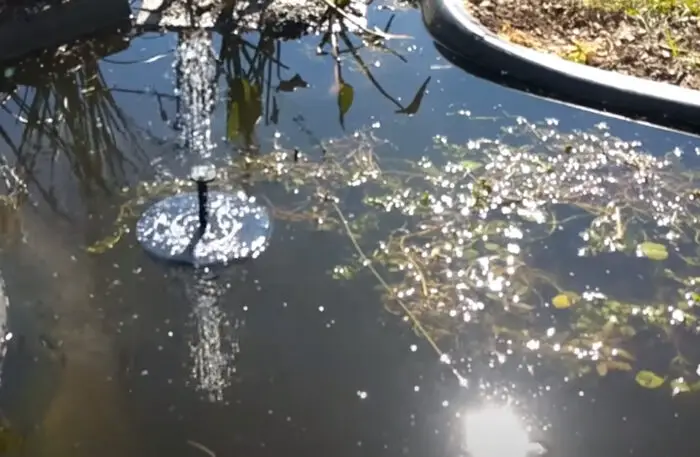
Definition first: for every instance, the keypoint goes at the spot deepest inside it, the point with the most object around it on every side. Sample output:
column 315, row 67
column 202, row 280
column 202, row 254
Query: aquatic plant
column 470, row 266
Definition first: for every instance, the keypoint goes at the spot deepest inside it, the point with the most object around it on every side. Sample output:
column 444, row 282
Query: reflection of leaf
column 244, row 109
column 649, row 379
column 346, row 95
column 413, row 107
column 290, row 85
column 653, row 251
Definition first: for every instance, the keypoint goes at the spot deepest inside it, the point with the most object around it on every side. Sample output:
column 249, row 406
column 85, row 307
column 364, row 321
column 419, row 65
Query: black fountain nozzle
column 203, row 175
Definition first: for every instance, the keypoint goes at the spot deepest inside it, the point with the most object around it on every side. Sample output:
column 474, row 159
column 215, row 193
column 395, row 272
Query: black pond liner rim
column 477, row 50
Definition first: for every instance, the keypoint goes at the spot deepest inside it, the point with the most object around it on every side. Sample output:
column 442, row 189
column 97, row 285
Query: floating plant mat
column 463, row 238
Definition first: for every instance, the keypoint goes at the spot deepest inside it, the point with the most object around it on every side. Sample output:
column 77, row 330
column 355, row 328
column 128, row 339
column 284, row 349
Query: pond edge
column 476, row 47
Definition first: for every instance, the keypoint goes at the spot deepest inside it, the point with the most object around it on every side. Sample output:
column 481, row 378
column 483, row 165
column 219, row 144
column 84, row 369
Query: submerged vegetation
column 501, row 243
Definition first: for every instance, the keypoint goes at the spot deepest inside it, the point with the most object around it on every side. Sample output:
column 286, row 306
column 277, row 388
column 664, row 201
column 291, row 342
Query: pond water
column 427, row 329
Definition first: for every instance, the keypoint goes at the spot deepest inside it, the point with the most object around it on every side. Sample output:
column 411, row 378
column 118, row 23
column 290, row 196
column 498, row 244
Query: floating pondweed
column 491, row 238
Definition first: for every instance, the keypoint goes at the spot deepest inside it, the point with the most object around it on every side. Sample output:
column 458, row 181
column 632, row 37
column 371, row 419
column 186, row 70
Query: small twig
column 201, row 447
column 376, row 31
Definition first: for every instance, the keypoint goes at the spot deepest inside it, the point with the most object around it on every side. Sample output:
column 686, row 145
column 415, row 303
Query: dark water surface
column 303, row 364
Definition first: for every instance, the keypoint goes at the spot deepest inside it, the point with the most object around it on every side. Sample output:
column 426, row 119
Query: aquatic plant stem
column 201, row 447
column 414, row 320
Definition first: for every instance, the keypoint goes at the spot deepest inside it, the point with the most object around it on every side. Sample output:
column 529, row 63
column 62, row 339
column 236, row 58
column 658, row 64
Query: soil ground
column 653, row 39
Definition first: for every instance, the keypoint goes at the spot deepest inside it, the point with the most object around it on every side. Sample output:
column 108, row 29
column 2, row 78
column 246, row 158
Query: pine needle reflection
column 497, row 431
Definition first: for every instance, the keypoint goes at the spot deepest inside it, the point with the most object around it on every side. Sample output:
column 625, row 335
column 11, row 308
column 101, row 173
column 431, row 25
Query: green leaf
column 653, row 251
column 649, row 379
column 561, row 301
column 471, row 165
column 492, row 246
column 565, row 300
column 679, row 386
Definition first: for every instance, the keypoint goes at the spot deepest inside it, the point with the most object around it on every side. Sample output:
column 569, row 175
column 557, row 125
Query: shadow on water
column 440, row 242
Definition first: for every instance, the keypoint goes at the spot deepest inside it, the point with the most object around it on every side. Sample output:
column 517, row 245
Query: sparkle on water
column 238, row 228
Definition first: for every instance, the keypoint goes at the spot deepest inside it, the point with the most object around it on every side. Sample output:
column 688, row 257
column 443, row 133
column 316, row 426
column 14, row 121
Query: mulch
column 663, row 49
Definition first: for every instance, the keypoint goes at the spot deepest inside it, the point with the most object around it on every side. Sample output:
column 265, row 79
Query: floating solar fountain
column 205, row 228
column 202, row 228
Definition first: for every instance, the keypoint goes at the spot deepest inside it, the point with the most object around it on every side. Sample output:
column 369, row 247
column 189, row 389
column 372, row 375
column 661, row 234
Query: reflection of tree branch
column 413, row 107
column 337, row 69
column 366, row 71
column 372, row 43
column 354, row 21
column 158, row 95
column 143, row 92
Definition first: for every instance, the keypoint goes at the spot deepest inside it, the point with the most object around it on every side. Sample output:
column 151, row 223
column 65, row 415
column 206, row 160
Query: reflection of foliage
column 68, row 114
column 249, row 69
column 247, row 76
column 338, row 31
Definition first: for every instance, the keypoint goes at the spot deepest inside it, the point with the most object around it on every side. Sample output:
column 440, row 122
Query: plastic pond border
column 477, row 50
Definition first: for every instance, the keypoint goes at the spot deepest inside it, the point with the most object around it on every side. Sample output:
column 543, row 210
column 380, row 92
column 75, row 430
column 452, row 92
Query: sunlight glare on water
column 497, row 431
